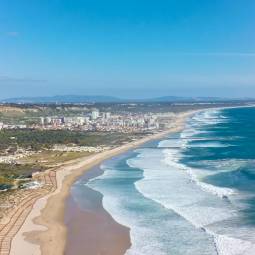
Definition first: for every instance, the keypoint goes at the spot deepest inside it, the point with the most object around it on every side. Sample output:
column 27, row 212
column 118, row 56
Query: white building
column 106, row 115
column 94, row 114
column 80, row 120
column 75, row 120
column 42, row 120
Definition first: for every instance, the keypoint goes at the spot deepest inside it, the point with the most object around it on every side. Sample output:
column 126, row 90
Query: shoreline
column 44, row 231
column 88, row 223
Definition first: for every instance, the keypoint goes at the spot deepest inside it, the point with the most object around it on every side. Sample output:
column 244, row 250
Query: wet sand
column 91, row 229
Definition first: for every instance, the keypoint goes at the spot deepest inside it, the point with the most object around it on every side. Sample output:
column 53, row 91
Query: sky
column 127, row 48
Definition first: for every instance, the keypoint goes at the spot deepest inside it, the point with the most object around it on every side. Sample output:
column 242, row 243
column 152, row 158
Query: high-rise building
column 94, row 114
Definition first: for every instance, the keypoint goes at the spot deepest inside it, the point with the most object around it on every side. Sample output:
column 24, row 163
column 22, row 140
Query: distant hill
column 109, row 99
column 202, row 99
column 62, row 99
column 188, row 99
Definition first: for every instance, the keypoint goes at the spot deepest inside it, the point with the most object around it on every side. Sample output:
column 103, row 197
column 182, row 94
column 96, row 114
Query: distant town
column 109, row 117
column 106, row 121
column 127, row 122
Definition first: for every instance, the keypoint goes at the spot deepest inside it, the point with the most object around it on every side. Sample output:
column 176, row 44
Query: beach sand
column 93, row 231
column 44, row 231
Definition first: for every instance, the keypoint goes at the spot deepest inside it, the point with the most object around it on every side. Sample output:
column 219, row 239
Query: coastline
column 44, row 231
column 87, row 224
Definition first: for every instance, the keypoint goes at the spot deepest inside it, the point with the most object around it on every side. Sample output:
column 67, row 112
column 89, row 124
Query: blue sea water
column 192, row 193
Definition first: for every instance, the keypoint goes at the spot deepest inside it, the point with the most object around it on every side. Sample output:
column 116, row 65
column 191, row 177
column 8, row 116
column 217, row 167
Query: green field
column 38, row 139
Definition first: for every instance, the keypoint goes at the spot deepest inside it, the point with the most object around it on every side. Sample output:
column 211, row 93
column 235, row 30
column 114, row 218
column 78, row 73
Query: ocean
column 192, row 193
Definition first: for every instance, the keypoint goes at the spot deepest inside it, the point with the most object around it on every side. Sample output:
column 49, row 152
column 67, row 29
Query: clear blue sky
column 133, row 48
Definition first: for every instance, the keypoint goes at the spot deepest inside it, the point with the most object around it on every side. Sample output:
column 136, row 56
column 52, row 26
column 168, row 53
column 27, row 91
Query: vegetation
column 49, row 158
column 14, row 174
column 9, row 173
column 18, row 171
column 38, row 139
column 5, row 183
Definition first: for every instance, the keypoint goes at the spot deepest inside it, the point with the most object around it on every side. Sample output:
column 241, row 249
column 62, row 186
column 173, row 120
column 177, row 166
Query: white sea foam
column 151, row 232
column 208, row 144
column 190, row 132
column 233, row 246
column 178, row 192
column 170, row 186
column 209, row 117
column 225, row 165
column 171, row 159
column 175, row 142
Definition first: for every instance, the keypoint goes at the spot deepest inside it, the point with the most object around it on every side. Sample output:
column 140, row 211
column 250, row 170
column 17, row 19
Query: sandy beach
column 87, row 225
column 44, row 231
